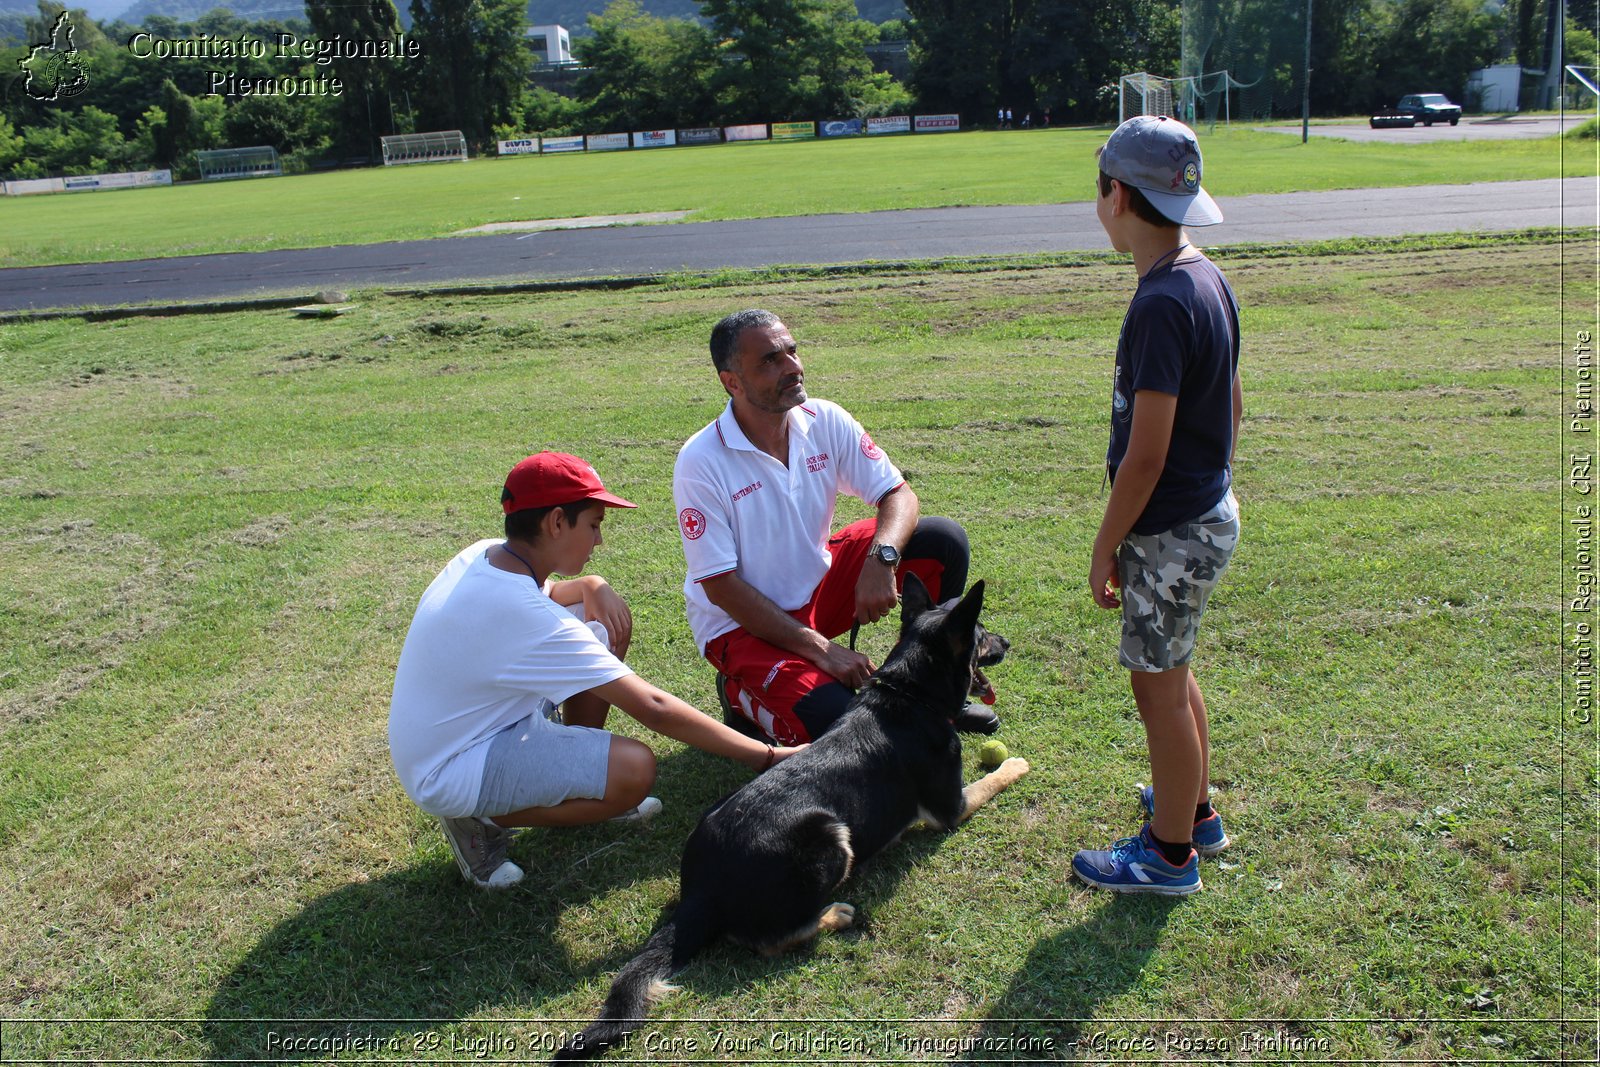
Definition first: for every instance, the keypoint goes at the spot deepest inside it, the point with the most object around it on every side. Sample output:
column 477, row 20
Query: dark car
column 1428, row 108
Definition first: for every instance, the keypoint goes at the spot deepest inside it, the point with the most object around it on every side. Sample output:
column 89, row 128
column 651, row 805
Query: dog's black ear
column 964, row 616
column 914, row 600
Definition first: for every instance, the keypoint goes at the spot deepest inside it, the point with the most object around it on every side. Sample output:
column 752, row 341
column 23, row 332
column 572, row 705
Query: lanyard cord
column 531, row 572
column 1157, row 264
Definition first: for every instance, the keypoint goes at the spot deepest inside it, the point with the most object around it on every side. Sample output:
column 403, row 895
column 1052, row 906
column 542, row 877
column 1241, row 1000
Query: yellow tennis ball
column 992, row 754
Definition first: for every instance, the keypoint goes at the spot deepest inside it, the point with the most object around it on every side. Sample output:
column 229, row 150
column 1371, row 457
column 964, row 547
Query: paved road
column 819, row 239
column 1471, row 129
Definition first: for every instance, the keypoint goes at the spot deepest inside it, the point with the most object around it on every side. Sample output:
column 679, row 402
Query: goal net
column 1257, row 49
column 1200, row 98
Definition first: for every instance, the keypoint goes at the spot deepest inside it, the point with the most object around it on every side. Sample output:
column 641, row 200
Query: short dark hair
column 725, row 335
column 1143, row 209
column 524, row 525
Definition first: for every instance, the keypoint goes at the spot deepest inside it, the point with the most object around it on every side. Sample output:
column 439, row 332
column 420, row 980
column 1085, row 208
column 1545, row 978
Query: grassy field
column 730, row 181
column 215, row 530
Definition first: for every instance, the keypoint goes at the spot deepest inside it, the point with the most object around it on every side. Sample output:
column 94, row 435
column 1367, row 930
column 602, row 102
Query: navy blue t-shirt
column 1180, row 337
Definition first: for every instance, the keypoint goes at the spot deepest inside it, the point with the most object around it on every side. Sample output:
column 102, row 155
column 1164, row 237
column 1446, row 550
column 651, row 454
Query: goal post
column 1192, row 100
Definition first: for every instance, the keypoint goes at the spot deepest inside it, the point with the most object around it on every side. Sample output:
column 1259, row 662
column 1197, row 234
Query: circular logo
column 1191, row 174
column 692, row 522
column 869, row 449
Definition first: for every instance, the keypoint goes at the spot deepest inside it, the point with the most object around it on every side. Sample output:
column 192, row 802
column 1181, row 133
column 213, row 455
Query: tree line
column 741, row 61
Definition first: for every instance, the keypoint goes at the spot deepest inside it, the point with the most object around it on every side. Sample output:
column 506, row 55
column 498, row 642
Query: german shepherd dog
column 763, row 864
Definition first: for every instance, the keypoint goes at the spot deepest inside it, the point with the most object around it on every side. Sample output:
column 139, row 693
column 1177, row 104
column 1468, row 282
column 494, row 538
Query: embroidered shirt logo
column 817, row 463
column 692, row 522
column 868, row 448
column 746, row 491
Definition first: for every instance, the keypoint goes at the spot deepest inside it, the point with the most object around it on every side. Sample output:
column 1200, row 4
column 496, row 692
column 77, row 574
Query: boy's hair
column 525, row 525
column 1142, row 208
column 725, row 335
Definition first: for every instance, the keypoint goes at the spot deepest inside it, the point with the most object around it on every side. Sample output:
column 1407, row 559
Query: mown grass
column 729, row 181
column 216, row 529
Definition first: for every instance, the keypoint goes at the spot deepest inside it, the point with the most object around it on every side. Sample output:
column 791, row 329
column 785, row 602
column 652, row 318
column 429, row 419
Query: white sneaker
column 647, row 809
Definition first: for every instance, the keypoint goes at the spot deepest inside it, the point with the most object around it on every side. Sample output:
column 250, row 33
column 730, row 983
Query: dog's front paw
column 1013, row 768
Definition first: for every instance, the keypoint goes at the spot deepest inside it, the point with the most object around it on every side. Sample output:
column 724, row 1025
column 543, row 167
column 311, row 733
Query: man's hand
column 875, row 591
column 846, row 665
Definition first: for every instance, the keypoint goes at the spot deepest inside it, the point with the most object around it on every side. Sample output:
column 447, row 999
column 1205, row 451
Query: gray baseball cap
column 1159, row 156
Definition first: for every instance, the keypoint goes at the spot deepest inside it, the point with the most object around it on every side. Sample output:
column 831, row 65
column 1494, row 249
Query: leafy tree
column 1029, row 54
column 787, row 59
column 644, row 72
column 10, row 145
column 474, row 65
column 366, row 109
column 299, row 127
column 1433, row 45
column 81, row 141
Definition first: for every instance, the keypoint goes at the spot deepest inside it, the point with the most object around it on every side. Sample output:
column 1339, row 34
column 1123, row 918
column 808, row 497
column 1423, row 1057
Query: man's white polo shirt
column 741, row 510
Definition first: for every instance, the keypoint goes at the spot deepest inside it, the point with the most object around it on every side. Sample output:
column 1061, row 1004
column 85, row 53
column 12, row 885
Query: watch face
column 887, row 554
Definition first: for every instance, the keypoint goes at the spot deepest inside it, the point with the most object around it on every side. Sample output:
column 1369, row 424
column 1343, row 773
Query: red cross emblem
column 693, row 523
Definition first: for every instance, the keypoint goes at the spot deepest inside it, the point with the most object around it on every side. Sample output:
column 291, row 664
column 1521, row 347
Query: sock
column 1202, row 812
column 1177, row 855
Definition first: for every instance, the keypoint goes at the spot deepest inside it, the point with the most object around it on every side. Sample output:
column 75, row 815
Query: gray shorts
column 1166, row 580
column 539, row 763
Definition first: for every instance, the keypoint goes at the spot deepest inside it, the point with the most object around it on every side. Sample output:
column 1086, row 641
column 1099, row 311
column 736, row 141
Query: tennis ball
column 992, row 754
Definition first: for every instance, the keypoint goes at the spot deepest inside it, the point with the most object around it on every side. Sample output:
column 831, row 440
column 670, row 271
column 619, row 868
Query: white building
column 1497, row 88
column 550, row 43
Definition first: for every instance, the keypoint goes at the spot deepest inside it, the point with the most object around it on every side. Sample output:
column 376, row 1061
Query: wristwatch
column 888, row 555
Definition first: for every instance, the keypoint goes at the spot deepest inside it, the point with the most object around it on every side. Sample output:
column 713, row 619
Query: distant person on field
column 770, row 585
column 1171, row 522
column 507, row 676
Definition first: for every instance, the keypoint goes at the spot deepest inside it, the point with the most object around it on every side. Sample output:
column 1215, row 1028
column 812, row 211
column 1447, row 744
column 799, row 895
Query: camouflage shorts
column 1166, row 580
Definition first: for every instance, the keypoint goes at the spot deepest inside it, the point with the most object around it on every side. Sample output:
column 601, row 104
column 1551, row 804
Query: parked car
column 1428, row 108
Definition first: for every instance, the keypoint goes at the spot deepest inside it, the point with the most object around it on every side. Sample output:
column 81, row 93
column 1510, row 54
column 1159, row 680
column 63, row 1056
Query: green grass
column 730, row 181
column 215, row 530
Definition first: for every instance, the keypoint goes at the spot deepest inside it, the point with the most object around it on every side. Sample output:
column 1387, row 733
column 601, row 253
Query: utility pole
column 1305, row 84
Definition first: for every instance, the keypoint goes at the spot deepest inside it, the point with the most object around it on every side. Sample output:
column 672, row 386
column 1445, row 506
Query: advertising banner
column 655, row 139
column 562, row 144
column 701, row 135
column 29, row 186
column 839, row 128
column 794, row 131
column 522, row 146
column 607, row 142
column 890, row 124
column 938, row 123
column 757, row 132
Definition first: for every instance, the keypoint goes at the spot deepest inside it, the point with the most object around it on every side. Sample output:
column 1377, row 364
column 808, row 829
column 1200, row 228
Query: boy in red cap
column 497, row 645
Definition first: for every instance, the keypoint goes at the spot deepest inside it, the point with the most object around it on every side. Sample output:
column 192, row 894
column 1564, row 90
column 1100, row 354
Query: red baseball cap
column 551, row 478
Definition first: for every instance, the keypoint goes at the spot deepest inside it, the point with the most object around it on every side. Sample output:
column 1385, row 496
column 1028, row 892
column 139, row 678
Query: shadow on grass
column 376, row 966
column 1055, row 996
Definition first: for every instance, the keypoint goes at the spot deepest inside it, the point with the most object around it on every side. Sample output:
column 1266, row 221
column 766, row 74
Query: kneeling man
column 768, row 587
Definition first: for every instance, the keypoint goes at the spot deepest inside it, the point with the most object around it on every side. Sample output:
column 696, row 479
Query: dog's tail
column 643, row 981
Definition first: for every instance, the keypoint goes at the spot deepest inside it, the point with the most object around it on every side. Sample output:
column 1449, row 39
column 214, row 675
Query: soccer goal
column 1203, row 98
column 219, row 164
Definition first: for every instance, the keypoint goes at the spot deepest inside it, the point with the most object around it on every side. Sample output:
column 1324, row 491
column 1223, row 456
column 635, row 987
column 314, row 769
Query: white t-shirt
column 741, row 510
column 487, row 648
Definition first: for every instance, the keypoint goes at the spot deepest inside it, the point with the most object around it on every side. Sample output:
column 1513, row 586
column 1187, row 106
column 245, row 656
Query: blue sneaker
column 1134, row 865
column 1209, row 836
